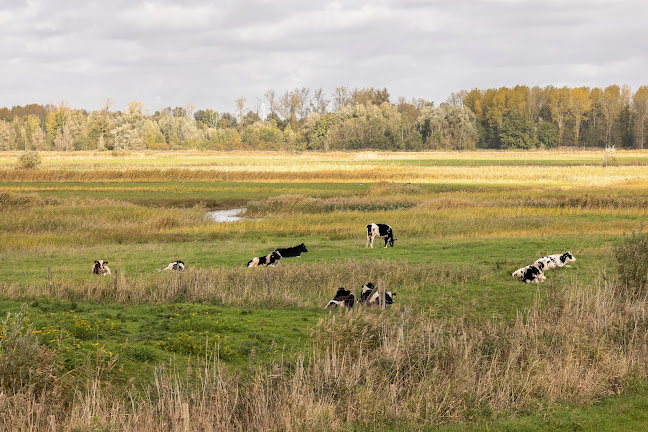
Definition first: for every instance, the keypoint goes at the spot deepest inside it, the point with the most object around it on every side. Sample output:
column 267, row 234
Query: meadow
column 224, row 347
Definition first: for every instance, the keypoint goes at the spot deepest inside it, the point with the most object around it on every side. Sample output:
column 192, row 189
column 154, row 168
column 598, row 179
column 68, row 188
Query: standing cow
column 380, row 230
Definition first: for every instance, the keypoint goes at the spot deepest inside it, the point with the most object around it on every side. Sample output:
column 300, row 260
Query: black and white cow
column 380, row 230
column 292, row 252
column 366, row 292
column 557, row 260
column 268, row 260
column 100, row 268
column 343, row 298
column 530, row 273
column 175, row 265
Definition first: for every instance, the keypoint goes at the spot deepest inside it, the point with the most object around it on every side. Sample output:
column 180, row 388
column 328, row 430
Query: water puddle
column 229, row 215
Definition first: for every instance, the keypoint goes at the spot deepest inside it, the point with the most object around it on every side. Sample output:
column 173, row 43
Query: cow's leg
column 370, row 240
column 386, row 241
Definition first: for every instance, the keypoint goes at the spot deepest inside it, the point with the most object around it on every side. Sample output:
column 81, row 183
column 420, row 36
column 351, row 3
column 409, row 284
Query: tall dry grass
column 375, row 368
column 306, row 285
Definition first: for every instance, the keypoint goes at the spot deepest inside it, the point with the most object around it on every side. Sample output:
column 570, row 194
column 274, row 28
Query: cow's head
column 567, row 257
column 302, row 248
column 391, row 241
column 517, row 274
column 389, row 297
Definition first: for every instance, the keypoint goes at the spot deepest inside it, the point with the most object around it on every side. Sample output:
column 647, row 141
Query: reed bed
column 551, row 175
column 297, row 286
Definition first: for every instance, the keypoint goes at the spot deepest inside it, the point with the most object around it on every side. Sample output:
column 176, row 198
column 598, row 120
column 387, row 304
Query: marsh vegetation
column 223, row 347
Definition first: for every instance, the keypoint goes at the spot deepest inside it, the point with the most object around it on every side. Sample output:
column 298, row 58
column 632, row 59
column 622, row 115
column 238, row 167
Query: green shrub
column 25, row 364
column 632, row 265
column 28, row 159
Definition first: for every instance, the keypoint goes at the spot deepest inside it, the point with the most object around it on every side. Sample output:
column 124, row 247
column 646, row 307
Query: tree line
column 348, row 119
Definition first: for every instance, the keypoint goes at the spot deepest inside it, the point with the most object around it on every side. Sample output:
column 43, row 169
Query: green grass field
column 464, row 223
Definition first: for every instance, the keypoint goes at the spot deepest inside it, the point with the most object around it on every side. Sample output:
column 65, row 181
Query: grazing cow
column 343, row 297
column 268, row 260
column 530, row 273
column 100, row 268
column 557, row 260
column 291, row 252
column 175, row 265
column 374, row 300
column 380, row 230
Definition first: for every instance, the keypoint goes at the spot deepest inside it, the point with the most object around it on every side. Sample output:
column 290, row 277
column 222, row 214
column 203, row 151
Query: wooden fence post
column 381, row 294
column 268, row 279
column 115, row 281
column 49, row 280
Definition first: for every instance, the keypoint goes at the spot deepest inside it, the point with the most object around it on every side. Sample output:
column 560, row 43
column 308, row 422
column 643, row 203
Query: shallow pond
column 229, row 215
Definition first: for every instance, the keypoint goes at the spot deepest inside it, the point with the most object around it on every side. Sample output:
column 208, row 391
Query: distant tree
column 7, row 136
column 271, row 96
column 319, row 136
column 611, row 105
column 559, row 105
column 227, row 120
column 319, row 103
column 249, row 119
column 206, row 118
column 547, row 134
column 579, row 105
column 640, row 106
column 135, row 109
column 624, row 127
column 240, row 108
column 341, row 98
column 369, row 95
column 448, row 127
column 457, row 98
column 516, row 132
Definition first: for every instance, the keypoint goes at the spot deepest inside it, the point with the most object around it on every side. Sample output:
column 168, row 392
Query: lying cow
column 380, row 230
column 175, row 265
column 292, row 252
column 557, row 260
column 530, row 273
column 343, row 298
column 268, row 260
column 100, row 268
column 374, row 300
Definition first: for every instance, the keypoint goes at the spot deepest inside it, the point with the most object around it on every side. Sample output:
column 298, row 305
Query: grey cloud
column 209, row 53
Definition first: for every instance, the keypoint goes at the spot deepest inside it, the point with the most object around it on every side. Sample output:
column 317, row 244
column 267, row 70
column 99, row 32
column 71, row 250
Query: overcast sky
column 211, row 52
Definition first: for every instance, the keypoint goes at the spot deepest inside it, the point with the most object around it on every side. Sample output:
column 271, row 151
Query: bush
column 25, row 364
column 609, row 157
column 28, row 159
column 632, row 265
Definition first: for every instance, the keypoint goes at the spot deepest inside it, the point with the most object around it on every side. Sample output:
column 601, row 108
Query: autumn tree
column 579, row 105
column 640, row 106
column 559, row 106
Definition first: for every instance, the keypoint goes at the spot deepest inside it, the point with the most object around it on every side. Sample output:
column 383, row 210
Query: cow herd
column 369, row 295
column 535, row 272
